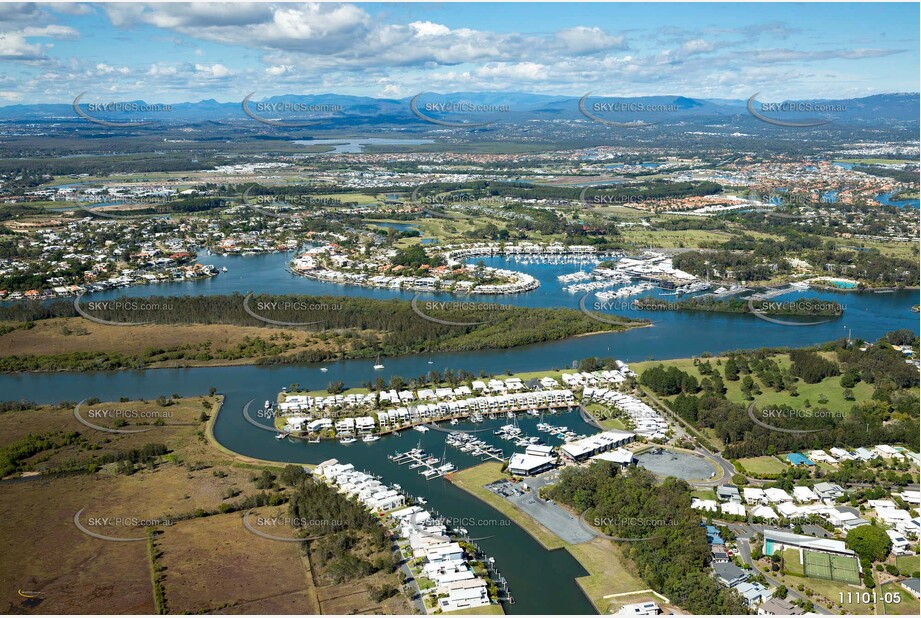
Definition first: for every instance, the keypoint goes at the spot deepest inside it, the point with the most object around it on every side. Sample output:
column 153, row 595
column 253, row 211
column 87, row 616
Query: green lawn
column 704, row 494
column 830, row 388
column 829, row 593
column 791, row 562
column 908, row 564
column 909, row 605
column 762, row 465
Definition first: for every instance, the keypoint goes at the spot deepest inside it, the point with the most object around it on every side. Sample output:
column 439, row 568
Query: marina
column 427, row 466
column 549, row 577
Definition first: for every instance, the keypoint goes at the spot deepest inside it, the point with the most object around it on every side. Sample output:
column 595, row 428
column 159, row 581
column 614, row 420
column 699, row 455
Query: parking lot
column 552, row 516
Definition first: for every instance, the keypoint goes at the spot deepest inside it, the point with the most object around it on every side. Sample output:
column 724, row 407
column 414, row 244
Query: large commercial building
column 580, row 450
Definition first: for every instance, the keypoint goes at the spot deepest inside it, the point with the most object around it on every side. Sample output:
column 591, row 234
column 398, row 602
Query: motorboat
column 370, row 438
column 347, row 440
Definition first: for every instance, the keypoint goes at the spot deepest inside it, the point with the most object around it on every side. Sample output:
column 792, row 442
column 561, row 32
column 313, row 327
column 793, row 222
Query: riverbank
column 208, row 331
column 601, row 559
column 238, row 458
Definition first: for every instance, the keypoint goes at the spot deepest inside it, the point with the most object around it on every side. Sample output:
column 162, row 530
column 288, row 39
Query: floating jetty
column 474, row 446
column 417, row 459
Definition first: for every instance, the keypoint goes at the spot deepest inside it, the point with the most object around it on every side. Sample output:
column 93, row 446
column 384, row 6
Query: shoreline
column 238, row 458
column 531, row 526
column 251, row 362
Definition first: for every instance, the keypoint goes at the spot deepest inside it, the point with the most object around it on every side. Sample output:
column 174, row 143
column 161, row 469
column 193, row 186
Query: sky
column 177, row 52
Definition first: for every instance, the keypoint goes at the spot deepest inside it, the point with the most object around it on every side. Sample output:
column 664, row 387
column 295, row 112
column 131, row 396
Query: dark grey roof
column 728, row 572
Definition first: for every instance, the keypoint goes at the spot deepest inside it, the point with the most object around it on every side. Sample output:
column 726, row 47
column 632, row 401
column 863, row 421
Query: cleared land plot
column 180, row 423
column 42, row 550
column 762, row 465
column 68, row 335
column 215, row 563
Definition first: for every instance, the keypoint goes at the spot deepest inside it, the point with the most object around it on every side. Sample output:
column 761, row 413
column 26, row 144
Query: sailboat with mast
column 377, row 363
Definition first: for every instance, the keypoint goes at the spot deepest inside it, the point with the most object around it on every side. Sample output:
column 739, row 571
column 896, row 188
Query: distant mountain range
column 513, row 107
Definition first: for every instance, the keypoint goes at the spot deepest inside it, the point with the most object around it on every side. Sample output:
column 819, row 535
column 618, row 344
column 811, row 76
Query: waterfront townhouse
column 345, row 427
column 364, row 425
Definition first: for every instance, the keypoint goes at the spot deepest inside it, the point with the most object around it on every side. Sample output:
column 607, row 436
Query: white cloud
column 280, row 69
column 217, row 70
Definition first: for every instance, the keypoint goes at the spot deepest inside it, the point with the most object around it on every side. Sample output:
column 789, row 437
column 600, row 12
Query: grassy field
column 704, row 494
column 213, row 563
column 829, row 387
column 672, row 239
column 608, row 573
column 766, row 464
column 908, row 564
column 829, row 593
column 791, row 562
column 181, row 420
column 178, row 496
column 68, row 335
column 909, row 605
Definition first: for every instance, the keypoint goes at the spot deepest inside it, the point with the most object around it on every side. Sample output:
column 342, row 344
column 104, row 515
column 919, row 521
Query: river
column 542, row 582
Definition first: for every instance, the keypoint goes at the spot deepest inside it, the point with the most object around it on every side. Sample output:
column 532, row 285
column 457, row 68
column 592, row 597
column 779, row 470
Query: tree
column 292, row 475
column 871, row 543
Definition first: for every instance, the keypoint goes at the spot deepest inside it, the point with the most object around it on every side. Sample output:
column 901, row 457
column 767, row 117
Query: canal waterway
column 542, row 582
